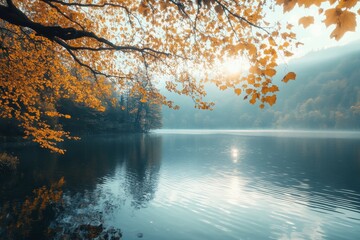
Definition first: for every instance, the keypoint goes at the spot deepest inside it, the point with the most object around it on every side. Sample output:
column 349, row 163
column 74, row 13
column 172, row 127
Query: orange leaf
column 289, row 76
column 270, row 72
column 273, row 88
column 346, row 22
column 288, row 54
column 270, row 99
column 288, row 5
column 219, row 9
column 223, row 87
column 237, row 91
column 272, row 41
column 306, row 21
column 347, row 3
column 252, row 100
column 331, row 15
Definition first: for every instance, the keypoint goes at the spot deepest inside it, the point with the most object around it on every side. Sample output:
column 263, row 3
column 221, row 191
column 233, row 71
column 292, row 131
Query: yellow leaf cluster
column 182, row 42
column 343, row 20
column 33, row 79
column 339, row 13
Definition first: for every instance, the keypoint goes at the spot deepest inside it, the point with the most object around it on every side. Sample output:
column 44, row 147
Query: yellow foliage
column 237, row 91
column 345, row 21
column 270, row 99
column 289, row 76
column 33, row 79
column 337, row 13
column 347, row 3
column 52, row 50
column 32, row 211
column 270, row 72
column 288, row 5
column 219, row 9
column 306, row 21
column 223, row 87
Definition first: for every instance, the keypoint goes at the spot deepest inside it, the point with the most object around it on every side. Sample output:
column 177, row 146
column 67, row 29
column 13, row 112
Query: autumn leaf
column 219, row 9
column 273, row 88
column 332, row 16
column 289, row 76
column 270, row 72
column 346, row 22
column 272, row 41
column 237, row 91
column 271, row 100
column 249, row 90
column 347, row 3
column 289, row 26
column 288, row 5
column 306, row 21
column 309, row 3
column 288, row 54
column 223, row 87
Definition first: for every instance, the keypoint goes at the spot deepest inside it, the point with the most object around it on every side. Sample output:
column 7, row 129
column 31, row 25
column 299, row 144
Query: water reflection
column 142, row 169
column 207, row 186
column 85, row 166
column 30, row 218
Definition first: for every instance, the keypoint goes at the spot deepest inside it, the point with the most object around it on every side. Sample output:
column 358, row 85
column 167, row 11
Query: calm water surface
column 205, row 184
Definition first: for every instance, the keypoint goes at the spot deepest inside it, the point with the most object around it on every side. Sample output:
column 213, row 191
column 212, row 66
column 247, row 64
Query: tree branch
column 85, row 4
column 226, row 9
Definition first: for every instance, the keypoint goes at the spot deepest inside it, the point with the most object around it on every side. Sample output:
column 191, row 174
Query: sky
column 316, row 37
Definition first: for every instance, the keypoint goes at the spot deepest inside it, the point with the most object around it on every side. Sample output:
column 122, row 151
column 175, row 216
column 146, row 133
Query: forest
column 326, row 95
column 127, row 115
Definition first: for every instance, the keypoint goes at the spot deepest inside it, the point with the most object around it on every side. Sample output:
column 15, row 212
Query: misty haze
column 179, row 120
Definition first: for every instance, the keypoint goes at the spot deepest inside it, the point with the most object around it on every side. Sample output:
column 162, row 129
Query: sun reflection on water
column 235, row 154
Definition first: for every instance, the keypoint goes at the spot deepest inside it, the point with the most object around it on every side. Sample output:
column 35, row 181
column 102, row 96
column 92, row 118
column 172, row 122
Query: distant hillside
column 326, row 95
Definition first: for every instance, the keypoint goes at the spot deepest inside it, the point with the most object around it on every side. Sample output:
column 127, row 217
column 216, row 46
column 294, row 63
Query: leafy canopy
column 84, row 50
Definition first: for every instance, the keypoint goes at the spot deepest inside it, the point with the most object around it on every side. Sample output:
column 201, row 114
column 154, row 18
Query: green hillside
column 326, row 95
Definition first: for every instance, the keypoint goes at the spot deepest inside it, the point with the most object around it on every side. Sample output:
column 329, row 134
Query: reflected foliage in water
column 30, row 219
column 86, row 164
column 223, row 185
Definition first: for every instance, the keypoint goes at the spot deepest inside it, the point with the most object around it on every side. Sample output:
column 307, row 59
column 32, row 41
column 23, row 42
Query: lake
column 202, row 184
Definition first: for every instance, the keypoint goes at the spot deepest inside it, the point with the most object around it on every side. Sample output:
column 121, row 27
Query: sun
column 237, row 66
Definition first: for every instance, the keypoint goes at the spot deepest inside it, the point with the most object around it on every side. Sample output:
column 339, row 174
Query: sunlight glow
column 235, row 155
column 235, row 66
column 234, row 152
